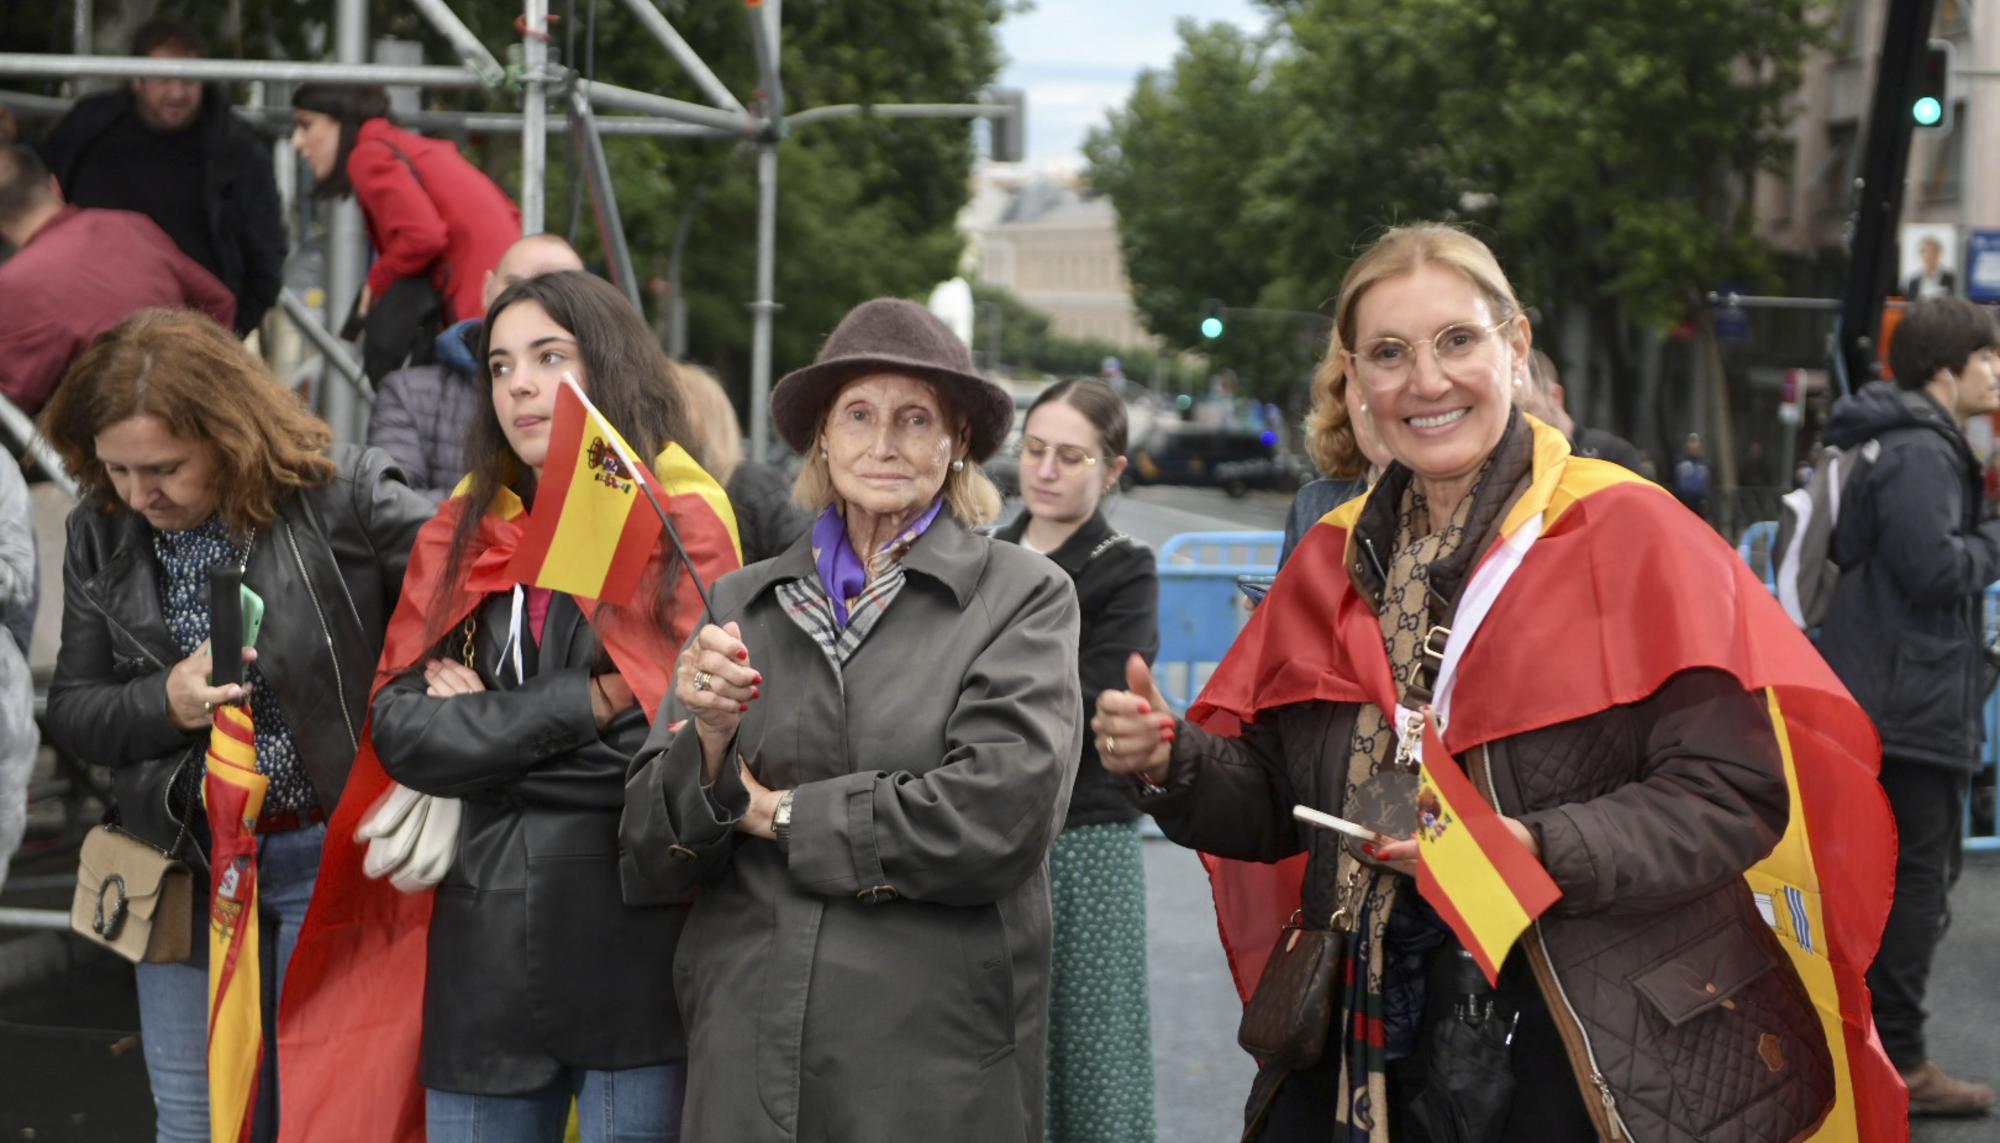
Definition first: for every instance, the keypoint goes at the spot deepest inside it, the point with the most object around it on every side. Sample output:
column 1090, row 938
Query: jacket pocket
column 1732, row 1038
column 1930, row 693
column 989, row 975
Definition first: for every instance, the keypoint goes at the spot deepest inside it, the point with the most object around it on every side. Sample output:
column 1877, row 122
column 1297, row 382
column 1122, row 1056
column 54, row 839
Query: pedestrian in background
column 884, row 733
column 766, row 519
column 187, row 454
column 422, row 413
column 1596, row 783
column 1905, row 630
column 1543, row 398
column 175, row 151
column 1100, row 1087
column 435, row 220
column 1344, row 447
column 77, row 273
column 542, row 984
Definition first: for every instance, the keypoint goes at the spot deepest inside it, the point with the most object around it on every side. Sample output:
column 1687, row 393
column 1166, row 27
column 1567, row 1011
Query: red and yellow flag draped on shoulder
column 352, row 1011
column 1621, row 590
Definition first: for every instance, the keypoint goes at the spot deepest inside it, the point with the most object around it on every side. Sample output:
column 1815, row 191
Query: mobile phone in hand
column 225, row 625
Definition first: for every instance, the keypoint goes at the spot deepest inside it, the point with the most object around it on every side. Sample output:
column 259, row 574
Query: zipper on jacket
column 339, row 684
column 1606, row 1101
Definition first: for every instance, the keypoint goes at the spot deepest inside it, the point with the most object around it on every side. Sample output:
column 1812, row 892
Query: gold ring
column 1110, row 744
column 701, row 680
column 208, row 708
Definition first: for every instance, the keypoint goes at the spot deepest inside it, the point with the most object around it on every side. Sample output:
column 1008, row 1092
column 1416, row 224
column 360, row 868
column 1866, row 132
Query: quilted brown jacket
column 1682, row 1015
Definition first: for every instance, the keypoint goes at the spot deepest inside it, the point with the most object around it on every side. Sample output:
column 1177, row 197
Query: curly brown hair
column 1400, row 250
column 191, row 373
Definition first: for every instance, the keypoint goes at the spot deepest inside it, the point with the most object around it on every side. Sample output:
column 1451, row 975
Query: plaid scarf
column 1363, row 1103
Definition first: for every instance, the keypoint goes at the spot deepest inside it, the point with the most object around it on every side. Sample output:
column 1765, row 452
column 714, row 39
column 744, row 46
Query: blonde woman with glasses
column 1100, row 1028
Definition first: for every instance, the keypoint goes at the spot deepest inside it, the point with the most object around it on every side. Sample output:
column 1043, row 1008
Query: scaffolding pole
column 764, row 35
column 329, row 346
column 346, row 251
column 80, row 26
column 604, row 198
column 656, row 22
column 901, row 111
column 534, row 115
column 31, row 65
column 610, row 95
column 471, row 52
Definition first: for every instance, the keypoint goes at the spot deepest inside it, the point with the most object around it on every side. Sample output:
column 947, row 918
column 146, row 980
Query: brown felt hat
column 889, row 335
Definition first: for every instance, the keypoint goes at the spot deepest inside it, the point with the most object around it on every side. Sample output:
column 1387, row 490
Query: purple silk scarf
column 841, row 571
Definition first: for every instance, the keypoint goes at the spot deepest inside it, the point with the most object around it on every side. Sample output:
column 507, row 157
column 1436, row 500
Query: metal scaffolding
column 764, row 124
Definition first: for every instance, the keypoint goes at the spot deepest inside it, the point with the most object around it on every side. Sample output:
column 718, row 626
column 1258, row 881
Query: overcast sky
column 1078, row 58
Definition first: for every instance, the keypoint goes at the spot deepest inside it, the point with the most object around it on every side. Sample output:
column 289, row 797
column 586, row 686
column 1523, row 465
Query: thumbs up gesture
column 1134, row 727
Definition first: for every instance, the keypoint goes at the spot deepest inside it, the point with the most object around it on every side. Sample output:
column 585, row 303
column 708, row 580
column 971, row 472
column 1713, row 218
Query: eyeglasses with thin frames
column 1385, row 364
column 1069, row 457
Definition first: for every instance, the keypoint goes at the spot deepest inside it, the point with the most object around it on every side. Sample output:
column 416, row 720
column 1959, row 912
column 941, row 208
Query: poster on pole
column 1928, row 267
column 1982, row 266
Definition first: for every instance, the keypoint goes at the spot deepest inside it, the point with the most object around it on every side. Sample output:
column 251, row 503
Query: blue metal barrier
column 1200, row 609
column 1755, row 548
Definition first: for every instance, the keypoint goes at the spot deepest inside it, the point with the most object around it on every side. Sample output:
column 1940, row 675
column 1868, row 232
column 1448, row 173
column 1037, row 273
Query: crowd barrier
column 1202, row 609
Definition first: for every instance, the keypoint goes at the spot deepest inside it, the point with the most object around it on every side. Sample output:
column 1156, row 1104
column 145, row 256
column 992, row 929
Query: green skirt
column 1100, row 1015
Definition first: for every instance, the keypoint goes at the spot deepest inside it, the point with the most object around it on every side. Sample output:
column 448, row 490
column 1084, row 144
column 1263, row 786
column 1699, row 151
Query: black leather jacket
column 535, row 961
column 329, row 569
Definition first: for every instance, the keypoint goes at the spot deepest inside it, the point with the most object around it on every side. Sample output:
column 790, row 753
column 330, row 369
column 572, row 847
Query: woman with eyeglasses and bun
column 1100, row 1086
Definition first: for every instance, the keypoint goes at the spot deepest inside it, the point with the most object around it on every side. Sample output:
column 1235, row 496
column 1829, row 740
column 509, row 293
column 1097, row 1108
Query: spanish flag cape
column 1619, row 590
column 352, row 1011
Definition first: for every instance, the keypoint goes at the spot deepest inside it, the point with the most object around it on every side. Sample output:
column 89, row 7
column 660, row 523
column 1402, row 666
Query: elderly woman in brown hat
column 882, row 729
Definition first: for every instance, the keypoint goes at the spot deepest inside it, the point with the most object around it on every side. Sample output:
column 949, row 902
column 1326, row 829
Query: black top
column 1118, row 594
column 155, row 173
column 210, row 187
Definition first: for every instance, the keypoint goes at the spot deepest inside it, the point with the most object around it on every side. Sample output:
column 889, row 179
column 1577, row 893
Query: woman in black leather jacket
column 187, row 454
column 542, row 984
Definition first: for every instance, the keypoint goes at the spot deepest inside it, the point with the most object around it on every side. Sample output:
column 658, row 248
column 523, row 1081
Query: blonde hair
column 969, row 494
column 1329, row 434
column 719, row 436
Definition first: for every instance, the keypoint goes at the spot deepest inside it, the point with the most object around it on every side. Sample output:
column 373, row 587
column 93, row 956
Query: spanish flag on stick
column 350, row 1019
column 1617, row 590
column 1476, row 874
column 589, row 535
column 233, row 794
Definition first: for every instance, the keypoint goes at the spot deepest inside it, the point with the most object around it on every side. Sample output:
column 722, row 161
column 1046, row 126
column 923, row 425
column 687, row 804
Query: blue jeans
column 629, row 1105
column 173, row 998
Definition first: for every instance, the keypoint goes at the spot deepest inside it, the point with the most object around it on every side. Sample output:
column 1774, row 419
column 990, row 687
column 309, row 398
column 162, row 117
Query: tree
column 1604, row 148
column 1176, row 161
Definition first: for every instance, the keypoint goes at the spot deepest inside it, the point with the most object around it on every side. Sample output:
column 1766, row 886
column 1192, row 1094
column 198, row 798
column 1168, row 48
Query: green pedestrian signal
column 1211, row 319
column 1927, row 113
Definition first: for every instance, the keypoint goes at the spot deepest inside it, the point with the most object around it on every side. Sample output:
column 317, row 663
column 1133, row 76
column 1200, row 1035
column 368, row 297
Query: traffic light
column 1930, row 88
column 1211, row 319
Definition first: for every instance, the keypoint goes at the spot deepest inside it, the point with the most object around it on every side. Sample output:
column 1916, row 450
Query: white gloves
column 412, row 838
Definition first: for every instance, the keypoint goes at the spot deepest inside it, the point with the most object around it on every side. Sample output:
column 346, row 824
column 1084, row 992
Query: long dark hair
column 350, row 107
column 628, row 378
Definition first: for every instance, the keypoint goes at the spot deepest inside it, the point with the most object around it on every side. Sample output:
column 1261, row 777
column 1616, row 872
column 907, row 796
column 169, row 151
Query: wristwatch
column 781, row 822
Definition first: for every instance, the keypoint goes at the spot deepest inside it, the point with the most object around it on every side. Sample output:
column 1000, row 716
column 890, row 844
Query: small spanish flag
column 1476, row 874
column 591, row 531
column 233, row 794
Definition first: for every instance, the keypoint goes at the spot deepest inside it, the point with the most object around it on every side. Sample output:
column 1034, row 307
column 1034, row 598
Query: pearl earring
column 1364, row 406
column 958, row 466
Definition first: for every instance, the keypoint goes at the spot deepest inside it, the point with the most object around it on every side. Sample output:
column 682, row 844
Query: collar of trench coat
column 947, row 552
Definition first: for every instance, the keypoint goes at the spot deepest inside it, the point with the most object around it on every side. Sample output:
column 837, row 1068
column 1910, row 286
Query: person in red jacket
column 431, row 215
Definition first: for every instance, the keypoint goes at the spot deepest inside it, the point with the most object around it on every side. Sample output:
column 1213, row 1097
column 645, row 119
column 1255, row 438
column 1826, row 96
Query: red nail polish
column 758, row 681
column 756, row 693
column 742, row 708
column 1369, row 849
column 742, row 656
column 1145, row 708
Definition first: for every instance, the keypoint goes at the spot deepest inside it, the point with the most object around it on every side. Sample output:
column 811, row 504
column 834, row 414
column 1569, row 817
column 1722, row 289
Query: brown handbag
column 132, row 898
column 1286, row 1021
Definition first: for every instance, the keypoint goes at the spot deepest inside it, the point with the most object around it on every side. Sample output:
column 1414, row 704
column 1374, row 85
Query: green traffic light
column 1183, row 402
column 1928, row 112
column 1211, row 327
